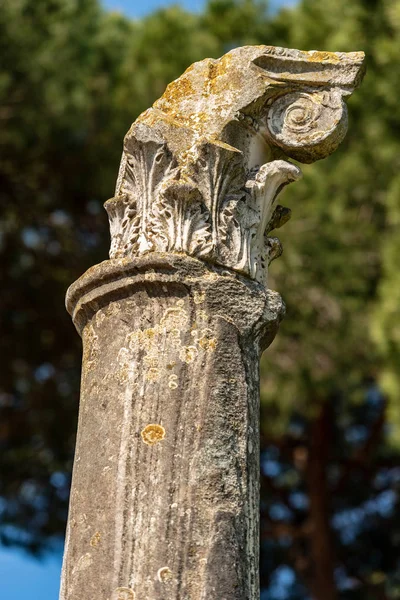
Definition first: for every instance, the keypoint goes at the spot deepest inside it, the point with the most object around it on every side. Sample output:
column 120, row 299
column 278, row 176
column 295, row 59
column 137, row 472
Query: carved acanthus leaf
column 180, row 221
column 146, row 163
column 263, row 190
column 124, row 225
column 201, row 170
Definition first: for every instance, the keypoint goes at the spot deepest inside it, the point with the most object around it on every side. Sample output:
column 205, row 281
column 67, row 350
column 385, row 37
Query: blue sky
column 23, row 577
column 138, row 8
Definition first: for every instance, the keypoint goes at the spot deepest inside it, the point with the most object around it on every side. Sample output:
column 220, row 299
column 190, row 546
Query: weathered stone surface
column 165, row 497
column 165, row 501
column 201, row 170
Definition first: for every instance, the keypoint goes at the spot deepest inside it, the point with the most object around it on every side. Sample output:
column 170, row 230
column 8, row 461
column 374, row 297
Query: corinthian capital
column 201, row 170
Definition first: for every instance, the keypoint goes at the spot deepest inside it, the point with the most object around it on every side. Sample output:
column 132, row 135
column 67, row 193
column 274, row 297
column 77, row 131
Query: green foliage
column 237, row 22
column 339, row 261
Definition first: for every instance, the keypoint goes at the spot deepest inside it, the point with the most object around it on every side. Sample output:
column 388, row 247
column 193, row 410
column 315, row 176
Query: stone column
column 165, row 492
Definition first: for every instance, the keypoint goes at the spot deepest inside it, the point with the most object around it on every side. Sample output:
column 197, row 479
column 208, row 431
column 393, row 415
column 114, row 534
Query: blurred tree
column 72, row 79
column 60, row 68
column 339, row 435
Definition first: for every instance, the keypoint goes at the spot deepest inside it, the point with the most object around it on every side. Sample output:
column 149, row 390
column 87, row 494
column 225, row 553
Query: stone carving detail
column 300, row 121
column 180, row 221
column 201, row 170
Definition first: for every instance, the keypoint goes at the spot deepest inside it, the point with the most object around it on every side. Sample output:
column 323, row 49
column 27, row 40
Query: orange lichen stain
column 216, row 69
column 96, row 539
column 164, row 574
column 123, row 593
column 178, row 90
column 316, row 56
column 188, row 354
column 152, row 434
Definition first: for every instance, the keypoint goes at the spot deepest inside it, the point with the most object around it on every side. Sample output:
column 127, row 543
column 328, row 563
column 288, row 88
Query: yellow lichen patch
column 174, row 318
column 210, row 275
column 96, row 539
column 113, row 308
column 178, row 90
column 207, row 341
column 135, row 339
column 122, row 374
column 123, row 593
column 188, row 354
column 153, row 374
column 173, row 382
column 152, row 434
column 150, row 333
column 202, row 316
column 216, row 70
column 150, row 275
column 151, row 360
column 164, row 574
column 123, row 359
column 316, row 56
column 90, row 347
column 100, row 316
column 175, row 337
column 199, row 297
column 83, row 563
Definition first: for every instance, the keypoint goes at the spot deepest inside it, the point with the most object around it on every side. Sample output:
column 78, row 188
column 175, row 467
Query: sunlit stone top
column 201, row 169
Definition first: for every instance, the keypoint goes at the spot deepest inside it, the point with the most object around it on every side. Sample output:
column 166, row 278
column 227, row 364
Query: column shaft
column 165, row 499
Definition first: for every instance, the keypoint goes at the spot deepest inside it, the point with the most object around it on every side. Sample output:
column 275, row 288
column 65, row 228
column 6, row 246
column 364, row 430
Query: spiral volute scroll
column 202, row 169
column 305, row 124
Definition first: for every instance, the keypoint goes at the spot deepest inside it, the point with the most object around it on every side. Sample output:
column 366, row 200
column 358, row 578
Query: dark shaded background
column 72, row 79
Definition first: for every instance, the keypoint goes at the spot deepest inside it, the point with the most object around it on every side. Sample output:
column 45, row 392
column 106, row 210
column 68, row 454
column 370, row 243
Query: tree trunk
column 322, row 553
